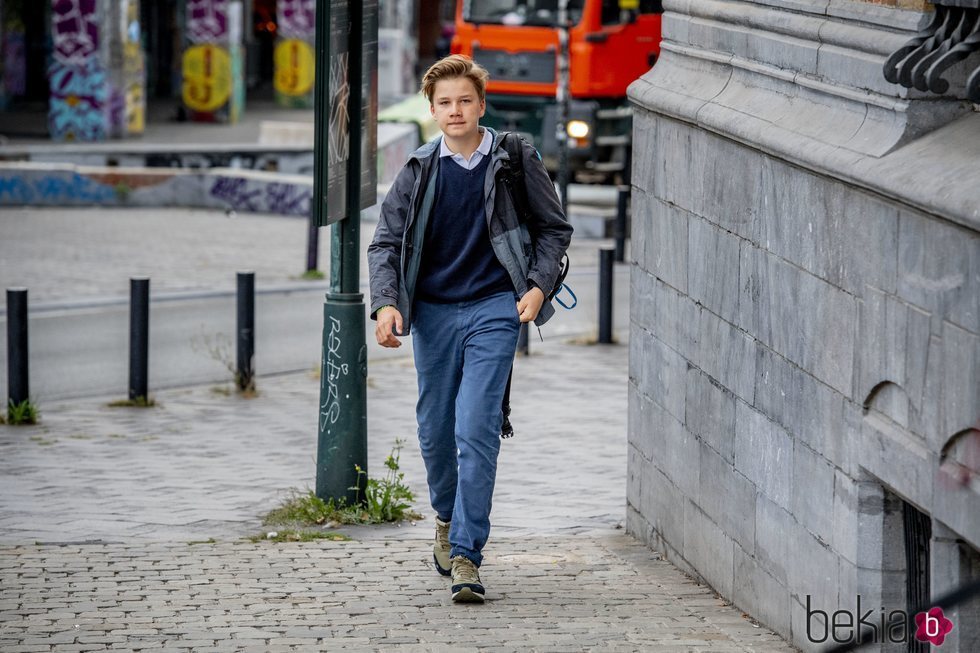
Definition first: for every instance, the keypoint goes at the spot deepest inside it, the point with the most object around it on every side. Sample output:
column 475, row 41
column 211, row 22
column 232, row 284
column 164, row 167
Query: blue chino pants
column 463, row 354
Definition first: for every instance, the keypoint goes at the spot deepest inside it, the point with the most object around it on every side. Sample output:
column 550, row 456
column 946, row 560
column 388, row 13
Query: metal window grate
column 918, row 533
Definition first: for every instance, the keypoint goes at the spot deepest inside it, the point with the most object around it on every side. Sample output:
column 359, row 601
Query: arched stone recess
column 957, row 495
column 889, row 451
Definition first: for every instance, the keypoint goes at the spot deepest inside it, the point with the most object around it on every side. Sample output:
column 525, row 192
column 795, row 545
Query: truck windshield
column 519, row 12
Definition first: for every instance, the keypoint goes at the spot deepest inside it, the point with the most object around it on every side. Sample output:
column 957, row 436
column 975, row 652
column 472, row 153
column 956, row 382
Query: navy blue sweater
column 458, row 262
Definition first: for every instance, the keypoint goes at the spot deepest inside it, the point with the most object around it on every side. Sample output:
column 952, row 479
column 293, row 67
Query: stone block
column 764, row 454
column 939, row 269
column 838, row 234
column 660, row 373
column 813, row 492
column 639, row 228
column 758, row 593
column 774, row 550
column 701, row 179
column 846, row 514
column 798, row 315
column 814, row 570
column 647, row 168
column 709, row 550
column 900, row 459
column 710, row 413
column 727, row 354
column 961, row 381
column 727, row 497
column 712, row 272
column 683, row 463
column 665, row 248
column 671, row 316
column 656, row 432
column 636, row 470
column 892, row 346
column 807, row 408
column 861, row 70
column 662, row 505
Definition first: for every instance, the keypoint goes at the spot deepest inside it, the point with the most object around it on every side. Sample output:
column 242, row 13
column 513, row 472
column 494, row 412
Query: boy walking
column 453, row 263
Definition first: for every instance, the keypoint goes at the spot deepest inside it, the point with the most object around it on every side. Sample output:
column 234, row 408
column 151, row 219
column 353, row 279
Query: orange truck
column 611, row 43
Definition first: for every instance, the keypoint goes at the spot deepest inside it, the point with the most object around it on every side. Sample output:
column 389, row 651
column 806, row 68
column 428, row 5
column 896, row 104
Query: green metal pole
column 342, row 437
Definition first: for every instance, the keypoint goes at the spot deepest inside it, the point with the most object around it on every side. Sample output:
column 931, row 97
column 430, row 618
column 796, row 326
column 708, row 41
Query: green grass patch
column 377, row 501
column 23, row 413
column 312, row 275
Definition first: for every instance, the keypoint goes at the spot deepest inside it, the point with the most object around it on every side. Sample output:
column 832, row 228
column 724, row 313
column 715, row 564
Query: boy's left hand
column 530, row 304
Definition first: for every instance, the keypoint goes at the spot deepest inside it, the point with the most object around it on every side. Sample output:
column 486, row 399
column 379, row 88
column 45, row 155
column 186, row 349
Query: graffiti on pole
column 207, row 21
column 297, row 19
column 78, row 102
column 75, row 31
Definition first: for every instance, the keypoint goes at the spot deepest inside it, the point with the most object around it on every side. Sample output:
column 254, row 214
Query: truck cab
column 611, row 43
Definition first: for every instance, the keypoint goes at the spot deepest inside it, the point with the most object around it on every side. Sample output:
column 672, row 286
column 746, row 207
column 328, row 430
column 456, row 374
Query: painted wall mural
column 213, row 87
column 294, row 54
column 78, row 104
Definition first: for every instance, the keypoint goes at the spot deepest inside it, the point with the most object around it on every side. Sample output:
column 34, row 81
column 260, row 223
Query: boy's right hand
column 389, row 323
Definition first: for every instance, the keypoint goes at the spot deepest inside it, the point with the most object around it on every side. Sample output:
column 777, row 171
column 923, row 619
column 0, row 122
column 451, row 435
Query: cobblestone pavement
column 100, row 508
column 568, row 594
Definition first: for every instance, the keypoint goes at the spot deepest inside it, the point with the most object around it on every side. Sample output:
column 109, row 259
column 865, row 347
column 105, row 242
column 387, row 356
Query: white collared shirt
column 477, row 156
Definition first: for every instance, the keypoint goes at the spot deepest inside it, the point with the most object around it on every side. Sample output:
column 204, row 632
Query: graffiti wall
column 213, row 88
column 97, row 74
column 294, row 53
column 31, row 184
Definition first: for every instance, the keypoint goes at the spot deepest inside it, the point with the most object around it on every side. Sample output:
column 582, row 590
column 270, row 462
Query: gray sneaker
column 440, row 548
column 467, row 587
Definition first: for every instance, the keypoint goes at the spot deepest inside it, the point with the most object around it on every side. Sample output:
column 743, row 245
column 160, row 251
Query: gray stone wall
column 805, row 319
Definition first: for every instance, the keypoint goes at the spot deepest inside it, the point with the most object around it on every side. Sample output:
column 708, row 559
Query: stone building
column 805, row 327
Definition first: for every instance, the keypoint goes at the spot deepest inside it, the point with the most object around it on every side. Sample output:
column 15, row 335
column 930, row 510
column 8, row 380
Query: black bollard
column 246, row 330
column 18, row 382
column 523, row 342
column 619, row 226
column 139, row 337
column 605, row 295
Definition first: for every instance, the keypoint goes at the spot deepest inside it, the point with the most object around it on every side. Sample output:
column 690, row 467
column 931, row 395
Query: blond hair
column 452, row 67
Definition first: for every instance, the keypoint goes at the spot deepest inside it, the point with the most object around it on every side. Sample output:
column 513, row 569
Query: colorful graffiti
column 75, row 31
column 78, row 102
column 207, row 21
column 294, row 67
column 297, row 19
column 68, row 189
column 261, row 196
column 133, row 73
column 207, row 77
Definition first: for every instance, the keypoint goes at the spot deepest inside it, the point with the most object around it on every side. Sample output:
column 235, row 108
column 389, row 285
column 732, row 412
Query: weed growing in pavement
column 387, row 499
column 23, row 413
column 312, row 275
column 218, row 348
column 384, row 500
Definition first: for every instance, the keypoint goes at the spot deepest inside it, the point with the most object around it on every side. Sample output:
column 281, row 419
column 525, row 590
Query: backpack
column 513, row 180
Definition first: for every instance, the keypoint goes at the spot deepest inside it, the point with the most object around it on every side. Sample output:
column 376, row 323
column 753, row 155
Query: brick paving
column 103, row 512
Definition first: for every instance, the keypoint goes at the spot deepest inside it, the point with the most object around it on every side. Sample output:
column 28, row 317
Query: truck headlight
column 577, row 129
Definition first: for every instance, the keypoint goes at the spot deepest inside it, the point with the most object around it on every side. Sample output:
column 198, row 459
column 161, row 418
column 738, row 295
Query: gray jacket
column 528, row 252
